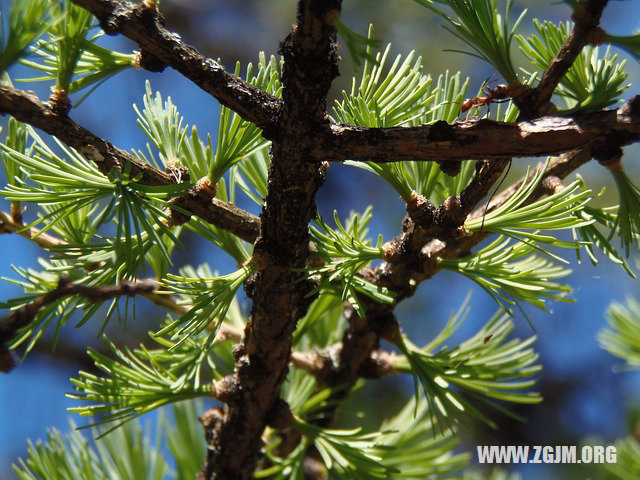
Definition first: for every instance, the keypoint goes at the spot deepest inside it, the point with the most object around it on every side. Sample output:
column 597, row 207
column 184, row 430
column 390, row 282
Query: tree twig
column 587, row 18
column 199, row 200
column 42, row 239
column 480, row 139
column 143, row 24
column 22, row 316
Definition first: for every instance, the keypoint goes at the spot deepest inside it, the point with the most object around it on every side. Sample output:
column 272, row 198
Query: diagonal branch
column 22, row 316
column 200, row 200
column 481, row 139
column 42, row 239
column 143, row 24
column 410, row 263
column 587, row 18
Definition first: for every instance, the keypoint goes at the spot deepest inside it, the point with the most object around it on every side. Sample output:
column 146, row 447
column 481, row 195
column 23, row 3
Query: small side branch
column 587, row 18
column 199, row 200
column 143, row 24
column 43, row 240
column 22, row 316
column 480, row 140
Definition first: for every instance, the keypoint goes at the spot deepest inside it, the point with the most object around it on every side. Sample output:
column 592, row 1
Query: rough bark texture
column 587, row 19
column 310, row 64
column 200, row 200
column 480, row 139
column 159, row 48
column 303, row 140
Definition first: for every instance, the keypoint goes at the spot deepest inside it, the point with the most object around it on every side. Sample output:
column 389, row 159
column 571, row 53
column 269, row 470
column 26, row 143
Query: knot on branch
column 59, row 102
column 145, row 60
column 421, row 211
column 211, row 421
column 280, row 416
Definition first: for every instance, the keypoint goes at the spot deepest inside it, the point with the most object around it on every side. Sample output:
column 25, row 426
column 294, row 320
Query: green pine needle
column 622, row 337
column 122, row 454
column 485, row 368
column 347, row 452
column 592, row 83
column 344, row 251
column 209, row 298
column 418, row 451
column 27, row 21
column 139, row 381
column 627, row 224
column 511, row 274
column 69, row 56
column 627, row 464
column 480, row 26
column 560, row 211
column 630, row 43
column 359, row 46
column 238, row 138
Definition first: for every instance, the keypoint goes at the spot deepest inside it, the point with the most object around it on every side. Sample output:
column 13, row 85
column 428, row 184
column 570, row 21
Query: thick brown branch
column 159, row 48
column 310, row 64
column 481, row 139
column 587, row 18
column 199, row 200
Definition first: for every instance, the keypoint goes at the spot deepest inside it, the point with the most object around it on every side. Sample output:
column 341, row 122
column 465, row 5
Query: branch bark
column 481, row 139
column 199, row 200
column 310, row 64
column 587, row 18
column 143, row 24
column 22, row 316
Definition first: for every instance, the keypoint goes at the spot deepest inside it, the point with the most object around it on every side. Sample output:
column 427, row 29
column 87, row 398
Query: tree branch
column 24, row 315
column 587, row 18
column 42, row 239
column 480, row 139
column 143, row 24
column 199, row 200
column 310, row 64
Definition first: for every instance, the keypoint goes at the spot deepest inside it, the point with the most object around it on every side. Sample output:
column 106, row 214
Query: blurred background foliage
column 583, row 397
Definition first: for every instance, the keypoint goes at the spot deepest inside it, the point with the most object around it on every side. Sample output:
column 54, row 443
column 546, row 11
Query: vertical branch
column 310, row 64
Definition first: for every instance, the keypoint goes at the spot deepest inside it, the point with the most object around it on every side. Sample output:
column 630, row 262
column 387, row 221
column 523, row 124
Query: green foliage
column 228, row 242
column 184, row 440
column 238, row 138
column 627, row 223
column 112, row 228
column 512, row 274
column 359, row 46
column 622, row 338
column 209, row 299
column 123, row 455
column 27, row 21
column 482, row 28
column 70, row 56
column 347, row 452
column 343, row 252
column 591, row 237
column 560, row 211
column 627, row 465
column 403, row 97
column 592, row 83
column 141, row 380
column 72, row 183
column 484, row 368
column 415, row 449
column 629, row 43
